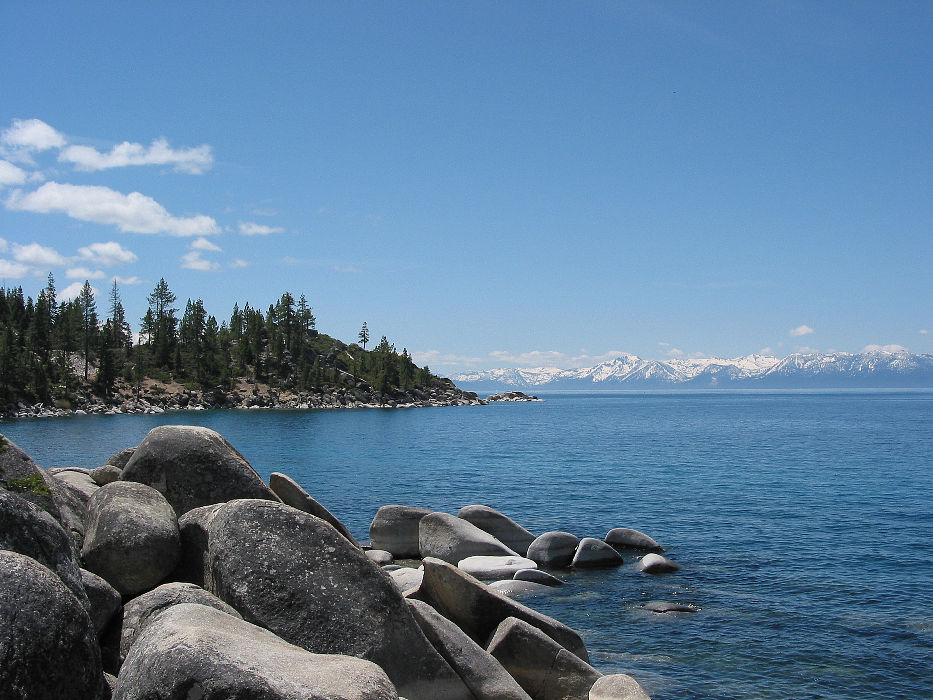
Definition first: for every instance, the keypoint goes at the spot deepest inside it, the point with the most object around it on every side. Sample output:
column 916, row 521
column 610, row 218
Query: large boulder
column 193, row 563
column 104, row 600
column 477, row 609
column 453, row 539
column 27, row 529
column 483, row 675
column 193, row 466
column 516, row 588
column 395, row 529
column 537, row 576
column 48, row 647
column 489, row 568
column 145, row 608
column 656, row 564
column 500, row 526
column 195, row 651
column 627, row 538
column 292, row 494
column 295, row 575
column 542, row 667
column 617, row 686
column 595, row 554
column 131, row 537
column 406, row 578
column 105, row 474
column 553, row 550
column 80, row 481
column 119, row 459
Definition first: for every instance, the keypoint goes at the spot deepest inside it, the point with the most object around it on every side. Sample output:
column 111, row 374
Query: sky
column 486, row 184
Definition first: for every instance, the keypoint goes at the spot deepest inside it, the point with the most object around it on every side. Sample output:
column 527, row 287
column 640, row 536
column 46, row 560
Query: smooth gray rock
column 595, row 554
column 192, row 651
column 482, row 674
column 193, row 466
column 140, row 611
column 81, row 481
column 617, row 686
column 541, row 666
column 537, row 576
column 490, row 568
column 266, row 560
column 453, row 539
column 406, row 579
column 104, row 599
column 379, row 556
column 131, row 537
column 16, row 464
column 395, row 529
column 193, row 563
column 520, row 589
column 477, row 609
column 627, row 538
column 120, row 458
column 106, row 474
column 553, row 550
column 656, row 564
column 292, row 494
column 666, row 606
column 27, row 529
column 48, row 646
column 500, row 526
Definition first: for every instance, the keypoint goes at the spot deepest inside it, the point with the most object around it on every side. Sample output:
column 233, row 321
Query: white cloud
column 10, row 174
column 800, row 330
column 238, row 263
column 127, row 280
column 924, row 331
column 84, row 273
column 186, row 160
column 133, row 213
column 31, row 135
column 435, row 358
column 10, row 269
column 38, row 255
column 536, row 358
column 109, row 254
column 893, row 349
column 248, row 228
column 204, row 244
column 73, row 290
column 194, row 261
column 4, row 247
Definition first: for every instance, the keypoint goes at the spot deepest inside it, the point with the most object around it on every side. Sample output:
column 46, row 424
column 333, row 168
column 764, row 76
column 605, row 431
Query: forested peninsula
column 59, row 357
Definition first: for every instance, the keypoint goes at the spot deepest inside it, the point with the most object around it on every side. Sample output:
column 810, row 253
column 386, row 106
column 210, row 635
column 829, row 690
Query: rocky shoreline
column 174, row 571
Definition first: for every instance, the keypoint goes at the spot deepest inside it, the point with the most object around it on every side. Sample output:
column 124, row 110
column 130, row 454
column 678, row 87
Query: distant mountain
column 839, row 370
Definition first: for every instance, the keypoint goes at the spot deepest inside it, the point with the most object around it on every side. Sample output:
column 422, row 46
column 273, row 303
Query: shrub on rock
column 542, row 667
column 453, row 539
column 477, row 609
column 395, row 529
column 482, row 674
column 292, row 494
column 553, row 550
column 295, row 575
column 131, row 537
column 592, row 554
column 193, row 466
column 500, row 526
column 195, row 651
column 48, row 646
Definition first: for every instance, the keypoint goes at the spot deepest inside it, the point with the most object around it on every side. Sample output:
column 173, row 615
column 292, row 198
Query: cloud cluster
column 37, row 259
column 195, row 160
column 800, row 330
column 27, row 136
column 248, row 228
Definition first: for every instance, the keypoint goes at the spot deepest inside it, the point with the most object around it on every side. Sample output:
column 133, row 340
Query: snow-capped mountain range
column 876, row 369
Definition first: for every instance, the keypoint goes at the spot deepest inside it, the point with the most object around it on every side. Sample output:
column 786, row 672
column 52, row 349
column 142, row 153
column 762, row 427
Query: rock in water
column 477, row 609
column 295, row 575
column 500, row 526
column 592, row 553
column 194, row 651
column 483, row 675
column 453, row 539
column 395, row 529
column 192, row 467
column 487, row 568
column 618, row 686
column 627, row 538
column 292, row 494
column 131, row 537
column 48, row 646
column 541, row 666
column 656, row 564
column 553, row 550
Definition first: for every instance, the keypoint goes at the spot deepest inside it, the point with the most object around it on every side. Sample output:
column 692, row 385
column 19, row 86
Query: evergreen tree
column 364, row 335
column 88, row 310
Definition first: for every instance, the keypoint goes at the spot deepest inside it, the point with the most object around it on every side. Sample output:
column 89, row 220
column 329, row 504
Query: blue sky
column 486, row 184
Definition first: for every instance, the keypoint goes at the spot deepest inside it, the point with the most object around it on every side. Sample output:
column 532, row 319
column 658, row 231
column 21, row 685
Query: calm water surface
column 803, row 520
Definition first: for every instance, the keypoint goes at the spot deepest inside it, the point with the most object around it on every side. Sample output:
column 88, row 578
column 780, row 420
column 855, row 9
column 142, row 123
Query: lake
column 803, row 520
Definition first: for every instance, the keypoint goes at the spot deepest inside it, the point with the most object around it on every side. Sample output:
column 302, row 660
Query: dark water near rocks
column 804, row 521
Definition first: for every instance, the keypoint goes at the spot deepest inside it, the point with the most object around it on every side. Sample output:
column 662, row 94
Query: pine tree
column 88, row 310
column 364, row 335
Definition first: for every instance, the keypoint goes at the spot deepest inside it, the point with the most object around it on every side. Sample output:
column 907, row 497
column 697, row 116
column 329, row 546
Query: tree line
column 50, row 349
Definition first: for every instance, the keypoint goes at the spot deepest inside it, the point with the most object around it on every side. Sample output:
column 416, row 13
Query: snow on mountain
column 874, row 368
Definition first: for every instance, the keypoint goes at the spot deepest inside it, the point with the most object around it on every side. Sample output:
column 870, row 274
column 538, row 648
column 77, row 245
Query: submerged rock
column 656, row 564
column 664, row 606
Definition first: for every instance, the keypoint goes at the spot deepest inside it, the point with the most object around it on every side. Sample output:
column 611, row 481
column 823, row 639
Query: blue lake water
column 804, row 521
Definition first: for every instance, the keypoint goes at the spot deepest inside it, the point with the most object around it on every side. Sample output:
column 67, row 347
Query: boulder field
column 175, row 571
